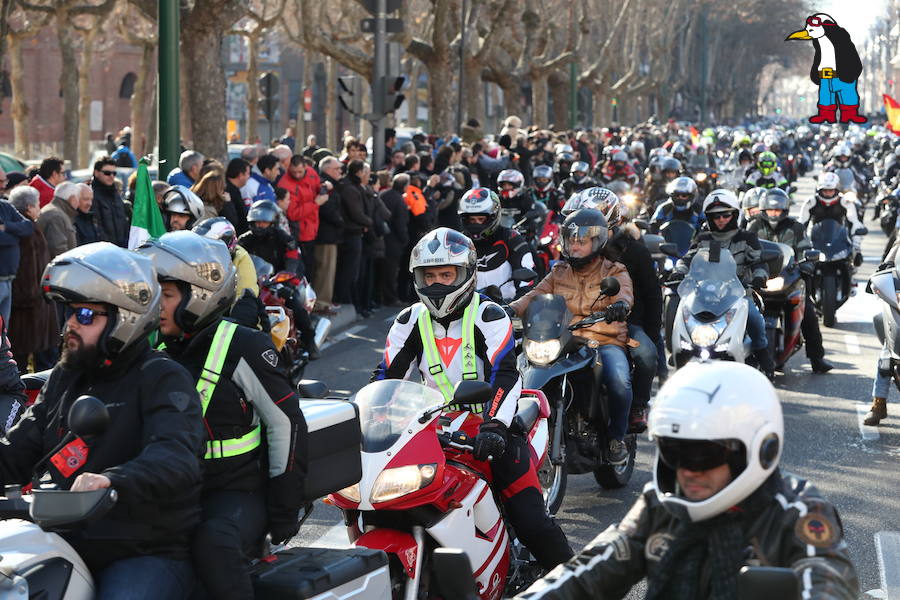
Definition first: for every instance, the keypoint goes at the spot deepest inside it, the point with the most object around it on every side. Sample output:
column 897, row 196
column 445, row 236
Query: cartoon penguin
column 835, row 69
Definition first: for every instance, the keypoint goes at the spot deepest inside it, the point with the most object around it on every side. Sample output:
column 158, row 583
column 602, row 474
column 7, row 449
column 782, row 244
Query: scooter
column 886, row 286
column 421, row 488
column 37, row 562
column 569, row 370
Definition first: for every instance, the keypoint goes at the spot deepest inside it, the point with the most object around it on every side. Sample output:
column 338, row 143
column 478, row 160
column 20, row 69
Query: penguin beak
column 799, row 35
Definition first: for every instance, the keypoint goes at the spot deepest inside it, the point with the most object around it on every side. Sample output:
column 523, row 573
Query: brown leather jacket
column 580, row 289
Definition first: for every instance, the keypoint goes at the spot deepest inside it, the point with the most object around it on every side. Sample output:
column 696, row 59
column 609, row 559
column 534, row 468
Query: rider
column 267, row 241
column 182, row 209
column 253, row 466
column 750, row 203
column 670, row 169
column 451, row 332
column 618, row 168
column 500, row 250
column 680, row 205
column 717, row 502
column 543, row 189
column 513, row 195
column 829, row 203
column 721, row 209
column 766, row 174
column 578, row 179
column 775, row 225
column 584, row 234
column 149, row 451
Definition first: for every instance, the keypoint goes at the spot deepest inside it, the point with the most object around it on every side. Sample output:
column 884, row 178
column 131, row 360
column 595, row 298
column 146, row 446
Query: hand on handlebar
column 617, row 311
column 758, row 282
column 490, row 441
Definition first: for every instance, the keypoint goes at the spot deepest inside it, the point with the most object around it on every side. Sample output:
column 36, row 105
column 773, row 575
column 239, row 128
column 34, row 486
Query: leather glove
column 246, row 310
column 617, row 311
column 675, row 277
column 490, row 441
column 285, row 292
column 510, row 312
column 283, row 530
column 885, row 265
column 758, row 282
column 283, row 501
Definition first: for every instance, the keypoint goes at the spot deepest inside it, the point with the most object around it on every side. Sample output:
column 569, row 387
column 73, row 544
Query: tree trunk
column 84, row 99
column 152, row 121
column 5, row 8
column 19, row 103
column 474, row 92
column 307, row 128
column 68, row 81
column 440, row 96
column 559, row 90
column 201, row 51
column 331, row 125
column 538, row 98
column 140, row 100
column 253, row 86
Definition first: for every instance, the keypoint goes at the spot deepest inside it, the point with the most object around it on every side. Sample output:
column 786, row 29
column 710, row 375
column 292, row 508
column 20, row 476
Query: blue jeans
column 834, row 91
column 145, row 578
column 756, row 327
column 881, row 387
column 617, row 379
column 645, row 360
column 5, row 301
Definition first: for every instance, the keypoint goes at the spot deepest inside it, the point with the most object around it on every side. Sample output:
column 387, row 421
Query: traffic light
column 393, row 99
column 268, row 88
column 350, row 93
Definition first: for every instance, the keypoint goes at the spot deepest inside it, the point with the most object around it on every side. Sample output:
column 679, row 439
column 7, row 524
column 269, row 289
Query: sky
column 855, row 17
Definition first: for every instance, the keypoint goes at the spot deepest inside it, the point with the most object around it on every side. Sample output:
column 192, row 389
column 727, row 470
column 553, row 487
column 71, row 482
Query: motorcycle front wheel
column 611, row 477
column 553, row 480
column 829, row 299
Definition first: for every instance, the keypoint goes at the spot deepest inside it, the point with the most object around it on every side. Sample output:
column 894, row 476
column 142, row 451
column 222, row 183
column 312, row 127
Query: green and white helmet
column 444, row 247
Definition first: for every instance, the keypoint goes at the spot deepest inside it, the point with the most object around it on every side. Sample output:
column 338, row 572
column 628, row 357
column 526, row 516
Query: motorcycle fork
column 556, row 446
column 412, row 586
column 599, row 413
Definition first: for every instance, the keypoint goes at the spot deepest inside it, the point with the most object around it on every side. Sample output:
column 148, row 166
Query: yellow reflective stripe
column 433, row 357
column 215, row 360
column 234, row 446
column 469, row 368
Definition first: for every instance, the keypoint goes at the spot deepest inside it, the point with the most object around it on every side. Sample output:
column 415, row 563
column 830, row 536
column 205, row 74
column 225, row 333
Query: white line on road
column 852, row 343
column 887, row 549
column 342, row 336
column 867, row 432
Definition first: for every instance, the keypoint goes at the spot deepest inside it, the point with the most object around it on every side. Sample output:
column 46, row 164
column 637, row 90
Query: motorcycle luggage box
column 334, row 446
column 323, row 574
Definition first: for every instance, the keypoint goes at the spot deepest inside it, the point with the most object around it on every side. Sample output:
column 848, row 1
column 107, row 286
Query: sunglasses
column 695, row 455
column 721, row 217
column 817, row 22
column 84, row 315
column 109, row 173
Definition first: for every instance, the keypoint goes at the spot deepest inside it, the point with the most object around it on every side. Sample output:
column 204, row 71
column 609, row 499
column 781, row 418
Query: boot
column 827, row 114
column 766, row 364
column 849, row 114
column 820, row 365
column 877, row 412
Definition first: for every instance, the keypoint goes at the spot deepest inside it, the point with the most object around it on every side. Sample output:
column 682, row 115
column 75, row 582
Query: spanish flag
column 892, row 108
column 695, row 135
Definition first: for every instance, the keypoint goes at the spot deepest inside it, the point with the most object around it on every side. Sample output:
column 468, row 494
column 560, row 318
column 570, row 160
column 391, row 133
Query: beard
column 78, row 356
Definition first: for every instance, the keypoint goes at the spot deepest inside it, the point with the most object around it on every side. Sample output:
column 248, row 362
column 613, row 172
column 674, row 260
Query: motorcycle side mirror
column 468, row 392
column 641, row 224
column 610, row 286
column 88, row 417
column 453, row 577
column 669, row 249
column 861, row 231
column 768, row 582
column 524, row 274
column 812, row 255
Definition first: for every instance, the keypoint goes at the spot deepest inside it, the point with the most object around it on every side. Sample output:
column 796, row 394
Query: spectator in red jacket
column 49, row 176
column 302, row 183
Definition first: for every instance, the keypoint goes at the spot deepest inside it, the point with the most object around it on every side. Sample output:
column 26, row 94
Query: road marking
column 867, row 432
column 342, row 336
column 852, row 343
column 887, row 549
column 336, row 537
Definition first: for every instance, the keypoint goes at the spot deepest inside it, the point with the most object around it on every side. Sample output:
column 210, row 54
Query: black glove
column 885, row 265
column 246, row 310
column 283, row 501
column 285, row 292
column 490, row 441
column 617, row 311
column 510, row 312
column 675, row 277
column 759, row 282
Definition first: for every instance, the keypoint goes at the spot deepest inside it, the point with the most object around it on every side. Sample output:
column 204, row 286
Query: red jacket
column 45, row 190
column 303, row 208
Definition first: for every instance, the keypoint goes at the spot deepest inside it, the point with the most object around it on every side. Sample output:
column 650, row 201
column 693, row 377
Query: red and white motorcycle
column 422, row 489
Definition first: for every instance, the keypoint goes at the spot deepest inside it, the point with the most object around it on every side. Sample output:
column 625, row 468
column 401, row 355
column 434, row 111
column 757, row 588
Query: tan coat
column 580, row 290
column 57, row 223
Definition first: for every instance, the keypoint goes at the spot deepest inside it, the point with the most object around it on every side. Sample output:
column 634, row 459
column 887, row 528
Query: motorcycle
column 38, row 562
column 568, row 369
column 833, row 277
column 784, row 298
column 711, row 319
column 422, row 490
column 886, row 287
column 681, row 234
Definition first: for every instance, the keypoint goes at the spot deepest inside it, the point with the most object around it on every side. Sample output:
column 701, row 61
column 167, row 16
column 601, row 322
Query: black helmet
column 262, row 211
column 670, row 165
column 581, row 224
column 775, row 199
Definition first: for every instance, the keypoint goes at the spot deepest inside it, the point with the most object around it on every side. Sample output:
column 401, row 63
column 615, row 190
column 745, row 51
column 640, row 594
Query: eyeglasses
column 84, row 315
column 695, row 455
column 109, row 173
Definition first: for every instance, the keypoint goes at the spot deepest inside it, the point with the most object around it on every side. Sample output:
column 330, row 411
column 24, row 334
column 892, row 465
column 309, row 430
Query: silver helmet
column 204, row 266
column 682, row 191
column 107, row 274
column 182, row 201
column 444, row 247
column 597, row 198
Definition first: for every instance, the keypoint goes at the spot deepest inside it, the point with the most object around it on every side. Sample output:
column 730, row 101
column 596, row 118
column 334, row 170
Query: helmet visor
column 575, row 239
column 696, row 455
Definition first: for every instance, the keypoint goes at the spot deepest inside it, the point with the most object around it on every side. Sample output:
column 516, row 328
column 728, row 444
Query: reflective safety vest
column 206, row 386
column 433, row 357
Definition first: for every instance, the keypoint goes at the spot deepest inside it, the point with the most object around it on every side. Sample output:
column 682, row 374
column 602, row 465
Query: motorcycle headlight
column 350, row 493
column 630, row 199
column 393, row 483
column 704, row 335
column 775, row 284
column 701, row 177
column 542, row 353
column 669, row 264
column 841, row 255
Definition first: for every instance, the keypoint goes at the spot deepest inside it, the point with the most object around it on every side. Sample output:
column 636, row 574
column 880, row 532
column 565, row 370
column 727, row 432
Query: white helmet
column 579, row 167
column 828, row 181
column 720, row 200
column 513, row 177
column 182, row 201
column 732, row 405
column 444, row 247
column 637, row 148
column 597, row 198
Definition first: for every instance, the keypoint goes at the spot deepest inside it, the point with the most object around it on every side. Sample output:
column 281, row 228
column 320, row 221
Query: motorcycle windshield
column 711, row 287
column 546, row 318
column 830, row 238
column 386, row 407
column 848, row 182
column 679, row 233
column 509, row 217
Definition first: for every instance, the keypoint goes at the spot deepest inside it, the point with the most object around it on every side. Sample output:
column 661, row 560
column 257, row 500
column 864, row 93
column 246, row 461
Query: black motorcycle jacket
column 744, row 247
column 150, row 452
column 569, row 186
column 552, row 198
column 646, row 312
column 276, row 247
column 252, row 389
column 789, row 232
column 498, row 256
column 785, row 523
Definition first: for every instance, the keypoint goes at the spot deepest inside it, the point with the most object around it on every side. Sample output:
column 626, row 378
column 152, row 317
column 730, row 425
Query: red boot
column 848, row 114
column 826, row 114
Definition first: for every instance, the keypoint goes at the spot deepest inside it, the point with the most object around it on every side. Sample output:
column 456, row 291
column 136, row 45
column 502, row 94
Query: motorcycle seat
column 532, row 406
